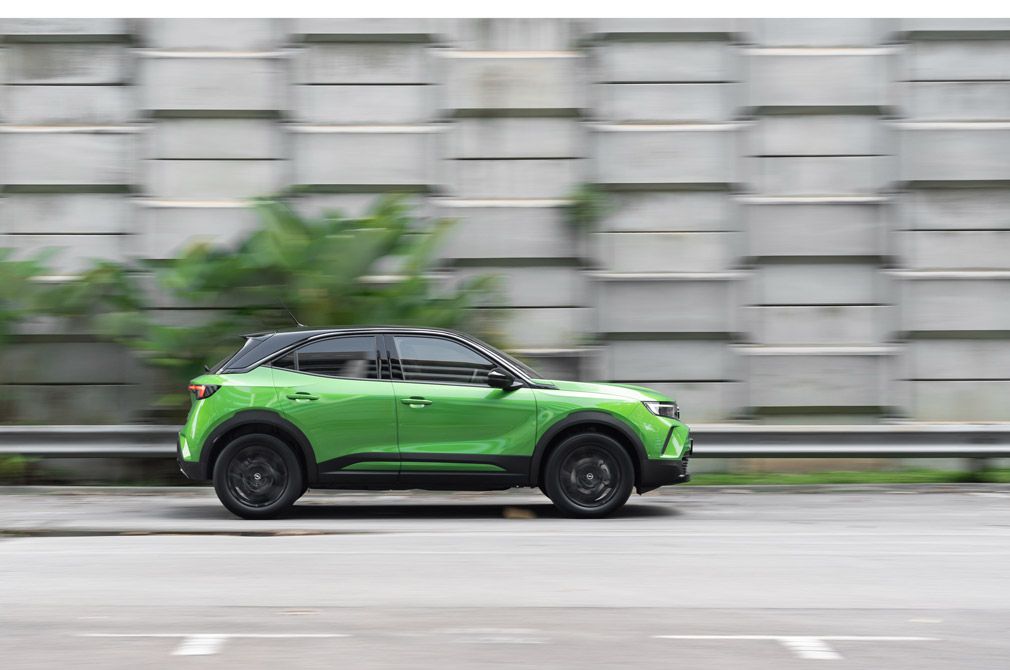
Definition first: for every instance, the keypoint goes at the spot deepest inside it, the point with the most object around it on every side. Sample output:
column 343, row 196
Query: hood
column 628, row 391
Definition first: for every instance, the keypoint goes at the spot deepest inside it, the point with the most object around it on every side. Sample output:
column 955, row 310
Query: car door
column 331, row 390
column 449, row 421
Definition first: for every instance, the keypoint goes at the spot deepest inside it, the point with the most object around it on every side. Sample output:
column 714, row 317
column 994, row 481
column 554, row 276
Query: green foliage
column 21, row 292
column 587, row 206
column 328, row 271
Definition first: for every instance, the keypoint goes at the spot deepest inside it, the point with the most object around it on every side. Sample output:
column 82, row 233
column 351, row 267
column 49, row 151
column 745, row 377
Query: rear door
column 331, row 389
column 449, row 420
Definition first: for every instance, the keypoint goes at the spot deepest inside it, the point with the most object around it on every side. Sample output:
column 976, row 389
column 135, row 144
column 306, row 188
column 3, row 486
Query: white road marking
column 199, row 645
column 808, row 647
column 206, row 644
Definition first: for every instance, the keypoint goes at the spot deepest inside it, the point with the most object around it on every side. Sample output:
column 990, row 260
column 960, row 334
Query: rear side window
column 347, row 357
column 433, row 359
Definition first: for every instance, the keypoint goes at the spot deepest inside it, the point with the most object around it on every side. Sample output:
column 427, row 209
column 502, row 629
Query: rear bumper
column 658, row 472
column 191, row 469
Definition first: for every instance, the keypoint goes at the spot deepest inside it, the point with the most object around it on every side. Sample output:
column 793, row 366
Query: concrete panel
column 215, row 138
column 958, row 60
column 536, row 178
column 513, row 34
column 660, row 103
column 68, row 105
column 214, row 179
column 363, row 104
column 954, row 25
column 956, row 249
column 973, row 209
column 359, row 63
column 957, row 100
column 816, row 229
column 698, row 61
column 955, row 304
column 358, row 204
column 705, row 402
column 365, row 30
column 362, row 158
column 664, row 155
column 668, row 251
column 545, row 328
column 654, row 27
column 167, row 231
column 67, row 64
column 231, row 34
column 73, row 403
column 820, row 32
column 659, row 360
column 957, row 359
column 482, row 83
column 533, row 286
column 959, row 400
column 211, row 84
column 56, row 28
column 821, row 325
column 811, row 380
column 818, row 135
column 676, row 306
column 820, row 176
column 804, row 79
column 67, row 158
column 74, row 253
column 67, row 363
column 66, row 213
column 819, row 284
column 508, row 232
column 955, row 154
column 515, row 138
column 688, row 211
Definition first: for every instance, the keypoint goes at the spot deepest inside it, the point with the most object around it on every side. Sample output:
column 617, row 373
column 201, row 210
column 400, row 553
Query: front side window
column 434, row 359
column 348, row 357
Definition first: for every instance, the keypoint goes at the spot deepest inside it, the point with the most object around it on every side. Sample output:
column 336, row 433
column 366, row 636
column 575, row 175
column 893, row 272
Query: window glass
column 353, row 357
column 287, row 361
column 433, row 359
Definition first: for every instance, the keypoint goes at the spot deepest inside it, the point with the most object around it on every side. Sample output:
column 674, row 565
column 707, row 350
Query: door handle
column 415, row 402
column 302, row 395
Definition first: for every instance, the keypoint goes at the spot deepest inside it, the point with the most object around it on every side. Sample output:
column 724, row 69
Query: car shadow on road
column 424, row 511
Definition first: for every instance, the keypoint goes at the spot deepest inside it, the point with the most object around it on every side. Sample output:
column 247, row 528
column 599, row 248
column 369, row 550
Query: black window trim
column 385, row 332
column 293, row 349
column 394, row 358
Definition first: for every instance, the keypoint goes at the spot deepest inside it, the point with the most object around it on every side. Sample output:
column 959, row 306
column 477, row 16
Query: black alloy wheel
column 258, row 476
column 589, row 475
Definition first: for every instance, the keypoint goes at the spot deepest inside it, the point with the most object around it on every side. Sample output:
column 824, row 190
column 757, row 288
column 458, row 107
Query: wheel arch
column 255, row 421
column 582, row 421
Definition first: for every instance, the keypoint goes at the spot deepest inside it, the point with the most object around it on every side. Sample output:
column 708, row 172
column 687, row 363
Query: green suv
column 403, row 408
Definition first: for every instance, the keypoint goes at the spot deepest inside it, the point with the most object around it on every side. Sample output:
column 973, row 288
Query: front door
column 331, row 390
column 452, row 426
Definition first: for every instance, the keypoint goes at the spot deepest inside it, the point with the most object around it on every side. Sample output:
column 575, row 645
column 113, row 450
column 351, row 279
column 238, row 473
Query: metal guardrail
column 900, row 440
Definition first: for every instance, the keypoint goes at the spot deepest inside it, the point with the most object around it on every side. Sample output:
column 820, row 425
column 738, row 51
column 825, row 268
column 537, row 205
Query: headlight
column 668, row 409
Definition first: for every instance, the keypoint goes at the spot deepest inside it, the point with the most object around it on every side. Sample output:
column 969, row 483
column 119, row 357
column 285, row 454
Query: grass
column 914, row 476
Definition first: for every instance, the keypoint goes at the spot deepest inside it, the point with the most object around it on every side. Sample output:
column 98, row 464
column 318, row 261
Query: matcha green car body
column 424, row 408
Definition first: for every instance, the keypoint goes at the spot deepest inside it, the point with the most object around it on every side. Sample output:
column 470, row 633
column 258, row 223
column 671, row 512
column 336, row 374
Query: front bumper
column 658, row 472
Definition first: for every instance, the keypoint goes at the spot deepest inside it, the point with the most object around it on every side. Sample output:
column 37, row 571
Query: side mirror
column 500, row 379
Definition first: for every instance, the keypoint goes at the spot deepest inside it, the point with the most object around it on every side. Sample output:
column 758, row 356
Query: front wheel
column 589, row 475
column 258, row 476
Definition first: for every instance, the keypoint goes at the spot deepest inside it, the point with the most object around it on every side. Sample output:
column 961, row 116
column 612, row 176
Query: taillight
column 202, row 391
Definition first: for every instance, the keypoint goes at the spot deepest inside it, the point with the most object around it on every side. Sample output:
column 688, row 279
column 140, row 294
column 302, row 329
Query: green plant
column 587, row 205
column 326, row 270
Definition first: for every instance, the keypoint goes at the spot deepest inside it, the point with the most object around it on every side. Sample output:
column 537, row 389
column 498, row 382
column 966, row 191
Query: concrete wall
column 810, row 218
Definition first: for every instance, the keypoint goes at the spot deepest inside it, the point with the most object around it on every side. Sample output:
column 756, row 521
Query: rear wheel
column 257, row 476
column 589, row 475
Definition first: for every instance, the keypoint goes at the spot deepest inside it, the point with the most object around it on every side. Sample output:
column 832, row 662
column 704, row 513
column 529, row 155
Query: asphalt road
column 883, row 578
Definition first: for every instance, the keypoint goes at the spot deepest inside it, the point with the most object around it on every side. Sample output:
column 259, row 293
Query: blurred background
column 773, row 220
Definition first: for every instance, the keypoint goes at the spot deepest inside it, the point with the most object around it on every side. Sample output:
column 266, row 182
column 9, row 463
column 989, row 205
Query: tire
column 589, row 475
column 257, row 476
